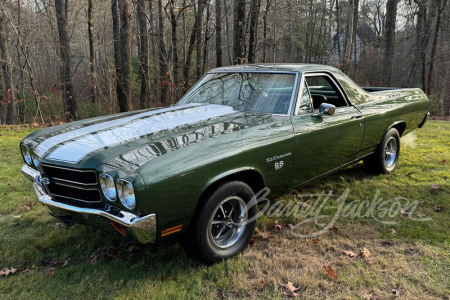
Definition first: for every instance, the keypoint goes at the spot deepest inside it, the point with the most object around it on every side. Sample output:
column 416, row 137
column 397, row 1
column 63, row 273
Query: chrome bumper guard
column 142, row 228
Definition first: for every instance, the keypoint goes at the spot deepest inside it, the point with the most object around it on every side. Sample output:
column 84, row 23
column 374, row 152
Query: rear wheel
column 224, row 224
column 385, row 157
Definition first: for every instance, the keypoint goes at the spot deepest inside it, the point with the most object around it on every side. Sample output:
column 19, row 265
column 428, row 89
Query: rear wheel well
column 401, row 127
column 250, row 177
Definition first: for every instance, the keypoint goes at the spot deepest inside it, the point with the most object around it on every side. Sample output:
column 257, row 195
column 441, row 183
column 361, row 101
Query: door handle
column 357, row 117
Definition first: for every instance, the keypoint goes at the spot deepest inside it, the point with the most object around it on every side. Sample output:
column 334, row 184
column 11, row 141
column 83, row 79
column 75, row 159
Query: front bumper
column 142, row 228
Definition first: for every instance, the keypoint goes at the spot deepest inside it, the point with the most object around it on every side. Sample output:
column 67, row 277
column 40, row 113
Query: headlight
column 34, row 158
column 26, row 154
column 126, row 193
column 108, row 187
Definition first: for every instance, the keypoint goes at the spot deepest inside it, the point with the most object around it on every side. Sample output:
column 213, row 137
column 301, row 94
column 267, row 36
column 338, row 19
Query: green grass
column 416, row 260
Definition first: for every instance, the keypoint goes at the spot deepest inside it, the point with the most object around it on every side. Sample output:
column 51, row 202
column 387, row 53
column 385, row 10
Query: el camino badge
column 279, row 164
column 277, row 157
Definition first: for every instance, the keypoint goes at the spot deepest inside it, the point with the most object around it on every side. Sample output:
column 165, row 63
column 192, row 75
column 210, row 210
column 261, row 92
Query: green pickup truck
column 194, row 168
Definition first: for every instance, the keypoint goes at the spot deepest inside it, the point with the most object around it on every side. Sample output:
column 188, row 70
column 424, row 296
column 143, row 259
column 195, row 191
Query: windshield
column 247, row 92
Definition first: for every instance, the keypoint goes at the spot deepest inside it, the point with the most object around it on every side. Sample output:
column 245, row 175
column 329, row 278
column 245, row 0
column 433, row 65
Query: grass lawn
column 410, row 256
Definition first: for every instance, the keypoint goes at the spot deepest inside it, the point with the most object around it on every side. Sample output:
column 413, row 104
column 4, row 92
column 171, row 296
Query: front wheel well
column 250, row 177
column 401, row 127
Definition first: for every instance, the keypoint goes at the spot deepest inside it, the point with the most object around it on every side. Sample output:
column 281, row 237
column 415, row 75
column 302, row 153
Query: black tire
column 201, row 235
column 385, row 158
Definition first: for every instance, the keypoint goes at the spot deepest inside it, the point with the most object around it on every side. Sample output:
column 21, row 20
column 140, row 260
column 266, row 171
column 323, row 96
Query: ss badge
column 279, row 165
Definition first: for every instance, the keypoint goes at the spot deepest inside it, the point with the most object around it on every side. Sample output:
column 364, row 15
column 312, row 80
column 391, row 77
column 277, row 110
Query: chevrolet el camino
column 192, row 168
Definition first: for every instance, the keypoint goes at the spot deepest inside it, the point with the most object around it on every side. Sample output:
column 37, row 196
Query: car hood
column 129, row 140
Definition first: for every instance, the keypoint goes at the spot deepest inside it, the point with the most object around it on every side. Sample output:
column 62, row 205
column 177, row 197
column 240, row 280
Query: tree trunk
column 268, row 2
column 11, row 115
column 2, row 94
column 117, row 45
column 348, row 42
column 207, row 37
column 91, row 49
column 433, row 48
column 338, row 32
column 218, row 33
column 355, row 32
column 253, row 38
column 143, row 55
column 188, row 60
column 124, row 97
column 199, row 39
column 389, row 39
column 415, row 75
column 173, row 22
column 238, row 28
column 227, row 25
column 69, row 102
column 153, row 48
column 21, row 116
column 309, row 33
column 163, row 69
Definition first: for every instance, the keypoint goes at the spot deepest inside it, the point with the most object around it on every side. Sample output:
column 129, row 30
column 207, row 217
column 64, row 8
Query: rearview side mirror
column 325, row 109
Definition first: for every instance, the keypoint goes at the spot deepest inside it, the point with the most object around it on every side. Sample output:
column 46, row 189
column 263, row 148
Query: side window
column 323, row 90
column 305, row 100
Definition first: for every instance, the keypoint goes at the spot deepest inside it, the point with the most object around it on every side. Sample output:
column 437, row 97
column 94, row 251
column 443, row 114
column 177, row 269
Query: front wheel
column 225, row 223
column 385, row 157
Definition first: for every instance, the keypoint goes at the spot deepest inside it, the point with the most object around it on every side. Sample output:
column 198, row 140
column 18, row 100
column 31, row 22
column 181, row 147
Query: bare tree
column 238, row 34
column 163, row 69
column 253, row 38
column 198, row 44
column 174, row 25
column 69, row 102
column 389, row 39
column 441, row 6
column 143, row 55
column 124, row 98
column 122, row 51
column 91, row 49
column 117, row 45
column 153, row 47
column 266, row 11
column 11, row 114
column 218, row 33
column 348, row 42
column 195, row 29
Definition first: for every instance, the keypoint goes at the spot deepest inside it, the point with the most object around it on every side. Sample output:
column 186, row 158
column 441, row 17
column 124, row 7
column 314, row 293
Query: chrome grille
column 70, row 175
column 71, row 185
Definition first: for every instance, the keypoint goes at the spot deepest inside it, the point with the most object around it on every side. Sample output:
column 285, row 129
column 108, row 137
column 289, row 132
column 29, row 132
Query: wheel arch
column 248, row 175
column 399, row 125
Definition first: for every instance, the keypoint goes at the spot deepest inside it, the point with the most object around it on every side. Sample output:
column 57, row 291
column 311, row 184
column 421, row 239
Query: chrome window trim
column 294, row 89
column 335, row 82
column 303, row 84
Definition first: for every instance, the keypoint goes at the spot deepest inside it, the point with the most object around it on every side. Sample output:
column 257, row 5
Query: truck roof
column 275, row 67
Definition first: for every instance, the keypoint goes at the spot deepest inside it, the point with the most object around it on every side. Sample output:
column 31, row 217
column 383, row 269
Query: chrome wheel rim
column 228, row 221
column 390, row 152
